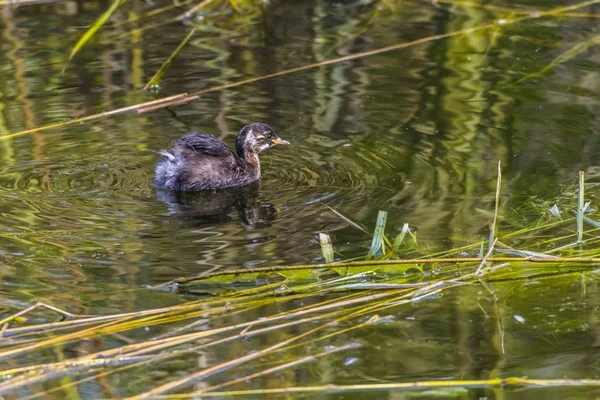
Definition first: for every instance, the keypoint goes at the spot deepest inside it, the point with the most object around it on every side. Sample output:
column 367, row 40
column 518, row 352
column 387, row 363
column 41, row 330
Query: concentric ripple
column 310, row 177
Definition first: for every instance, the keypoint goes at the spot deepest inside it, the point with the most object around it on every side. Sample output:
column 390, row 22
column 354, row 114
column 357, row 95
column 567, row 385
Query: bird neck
column 244, row 150
column 242, row 143
column 253, row 162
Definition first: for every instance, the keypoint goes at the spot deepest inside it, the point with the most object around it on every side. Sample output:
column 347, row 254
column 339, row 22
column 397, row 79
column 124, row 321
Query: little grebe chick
column 199, row 161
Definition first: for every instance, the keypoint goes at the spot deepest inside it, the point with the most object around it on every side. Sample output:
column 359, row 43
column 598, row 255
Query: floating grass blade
column 356, row 266
column 377, row 244
column 326, row 247
column 526, row 253
column 592, row 222
column 155, row 81
column 39, row 304
column 93, row 29
column 580, row 207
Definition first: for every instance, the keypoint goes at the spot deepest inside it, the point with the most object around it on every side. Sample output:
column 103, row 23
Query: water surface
column 417, row 132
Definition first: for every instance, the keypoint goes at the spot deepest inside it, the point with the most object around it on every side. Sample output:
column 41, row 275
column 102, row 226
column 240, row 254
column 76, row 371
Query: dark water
column 416, row 132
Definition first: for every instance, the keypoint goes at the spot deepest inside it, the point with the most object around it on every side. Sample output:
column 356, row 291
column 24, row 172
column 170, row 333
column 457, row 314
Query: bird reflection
column 214, row 207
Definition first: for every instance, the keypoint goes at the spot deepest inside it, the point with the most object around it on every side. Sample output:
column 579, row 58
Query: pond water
column 417, row 132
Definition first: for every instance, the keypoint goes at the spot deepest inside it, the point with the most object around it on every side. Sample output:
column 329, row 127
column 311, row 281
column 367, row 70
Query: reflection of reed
column 12, row 55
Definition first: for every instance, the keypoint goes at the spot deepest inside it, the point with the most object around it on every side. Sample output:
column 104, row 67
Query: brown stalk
column 249, row 357
column 224, row 365
column 282, row 367
column 25, row 2
column 39, row 304
column 105, row 357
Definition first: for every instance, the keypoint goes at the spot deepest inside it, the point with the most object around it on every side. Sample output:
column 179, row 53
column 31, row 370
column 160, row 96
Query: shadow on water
column 215, row 207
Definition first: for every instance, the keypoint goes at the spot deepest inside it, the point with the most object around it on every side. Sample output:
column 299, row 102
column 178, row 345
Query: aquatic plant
column 309, row 313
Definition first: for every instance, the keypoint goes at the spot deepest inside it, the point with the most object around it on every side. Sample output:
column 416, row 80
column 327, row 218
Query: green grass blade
column 525, row 253
column 155, row 81
column 326, row 247
column 93, row 29
column 580, row 207
column 234, row 5
column 377, row 244
column 400, row 238
column 497, row 202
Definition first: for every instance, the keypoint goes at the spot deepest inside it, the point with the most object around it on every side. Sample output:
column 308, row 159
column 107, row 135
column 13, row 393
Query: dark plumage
column 200, row 161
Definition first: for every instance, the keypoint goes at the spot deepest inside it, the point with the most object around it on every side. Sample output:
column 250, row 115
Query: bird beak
column 280, row 141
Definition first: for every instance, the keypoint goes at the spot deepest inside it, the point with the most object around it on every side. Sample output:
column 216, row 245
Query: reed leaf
column 155, row 80
column 377, row 248
column 496, row 203
column 400, row 237
column 93, row 29
column 326, row 247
